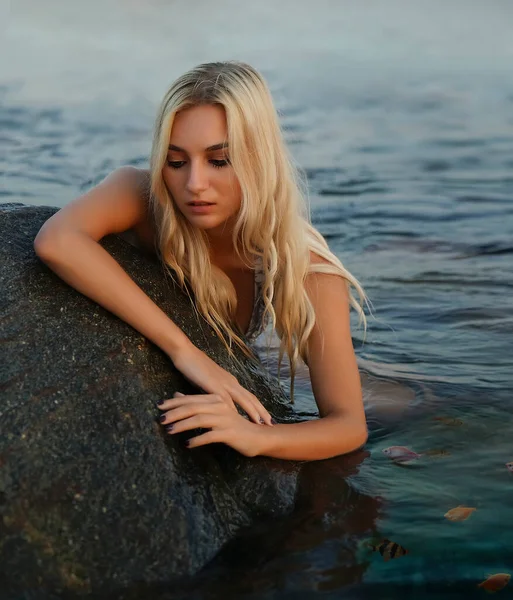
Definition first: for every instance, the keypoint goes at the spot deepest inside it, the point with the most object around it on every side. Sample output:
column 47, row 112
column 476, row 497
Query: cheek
column 232, row 187
column 171, row 180
column 166, row 178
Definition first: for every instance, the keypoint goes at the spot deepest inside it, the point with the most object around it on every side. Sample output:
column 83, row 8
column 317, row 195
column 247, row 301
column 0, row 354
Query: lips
column 200, row 208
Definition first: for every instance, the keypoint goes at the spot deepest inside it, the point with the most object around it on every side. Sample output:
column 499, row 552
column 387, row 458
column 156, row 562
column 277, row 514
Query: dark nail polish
column 187, row 443
column 169, row 427
column 262, row 421
column 160, row 402
column 162, row 418
column 273, row 421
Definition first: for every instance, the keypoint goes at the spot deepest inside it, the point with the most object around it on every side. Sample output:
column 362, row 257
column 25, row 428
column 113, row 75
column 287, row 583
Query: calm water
column 401, row 115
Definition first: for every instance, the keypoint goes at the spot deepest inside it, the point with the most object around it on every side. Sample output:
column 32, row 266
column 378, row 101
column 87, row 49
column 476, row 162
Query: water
column 401, row 115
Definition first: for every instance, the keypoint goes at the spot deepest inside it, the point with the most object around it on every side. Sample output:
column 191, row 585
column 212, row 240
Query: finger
column 178, row 394
column 247, row 405
column 245, row 400
column 189, row 410
column 210, row 437
column 226, row 398
column 262, row 411
column 204, row 421
column 235, row 394
column 174, row 402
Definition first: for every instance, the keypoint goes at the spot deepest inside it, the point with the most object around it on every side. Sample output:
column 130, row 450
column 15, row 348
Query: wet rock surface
column 94, row 496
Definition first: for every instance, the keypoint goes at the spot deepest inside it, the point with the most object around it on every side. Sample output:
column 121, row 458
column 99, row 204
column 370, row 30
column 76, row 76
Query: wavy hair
column 273, row 221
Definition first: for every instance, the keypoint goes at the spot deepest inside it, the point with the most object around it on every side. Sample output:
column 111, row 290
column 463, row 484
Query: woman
column 222, row 206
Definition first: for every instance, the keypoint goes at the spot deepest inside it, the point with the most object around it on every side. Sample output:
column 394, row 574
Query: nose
column 197, row 180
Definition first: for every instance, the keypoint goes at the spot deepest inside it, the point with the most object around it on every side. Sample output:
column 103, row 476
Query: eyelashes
column 217, row 164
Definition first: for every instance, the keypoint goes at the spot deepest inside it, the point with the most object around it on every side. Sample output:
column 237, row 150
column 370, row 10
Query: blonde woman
column 223, row 208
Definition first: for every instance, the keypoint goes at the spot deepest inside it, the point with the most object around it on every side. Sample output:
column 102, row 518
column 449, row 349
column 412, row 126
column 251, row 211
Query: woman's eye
column 176, row 164
column 219, row 163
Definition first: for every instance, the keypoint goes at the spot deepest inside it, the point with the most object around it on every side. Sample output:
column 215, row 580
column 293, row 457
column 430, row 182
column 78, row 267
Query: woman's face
column 198, row 170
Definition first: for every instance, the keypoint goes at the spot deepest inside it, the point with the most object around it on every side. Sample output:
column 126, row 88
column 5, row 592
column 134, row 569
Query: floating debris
column 495, row 583
column 509, row 466
column 460, row 513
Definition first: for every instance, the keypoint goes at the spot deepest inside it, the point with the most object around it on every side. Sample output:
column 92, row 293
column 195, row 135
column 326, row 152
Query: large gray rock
column 97, row 502
column 94, row 496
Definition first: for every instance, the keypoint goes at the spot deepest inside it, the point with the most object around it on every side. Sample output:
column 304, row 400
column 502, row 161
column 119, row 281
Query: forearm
column 313, row 440
column 86, row 266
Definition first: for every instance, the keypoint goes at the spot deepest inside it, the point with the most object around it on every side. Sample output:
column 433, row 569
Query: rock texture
column 94, row 496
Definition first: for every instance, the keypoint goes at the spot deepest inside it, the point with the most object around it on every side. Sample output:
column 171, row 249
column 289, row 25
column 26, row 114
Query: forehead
column 199, row 127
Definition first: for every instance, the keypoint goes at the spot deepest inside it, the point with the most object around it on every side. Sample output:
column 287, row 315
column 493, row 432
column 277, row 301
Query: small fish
column 495, row 583
column 452, row 421
column 460, row 513
column 401, row 454
column 437, row 452
column 389, row 549
column 509, row 466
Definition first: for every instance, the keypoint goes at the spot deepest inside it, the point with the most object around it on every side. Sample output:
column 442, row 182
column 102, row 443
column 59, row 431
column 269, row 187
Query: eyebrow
column 221, row 146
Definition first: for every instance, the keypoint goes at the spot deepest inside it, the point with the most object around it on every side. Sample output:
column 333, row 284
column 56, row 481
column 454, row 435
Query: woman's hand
column 209, row 376
column 209, row 411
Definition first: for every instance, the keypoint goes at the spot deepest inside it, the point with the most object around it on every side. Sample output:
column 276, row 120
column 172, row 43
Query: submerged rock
column 94, row 495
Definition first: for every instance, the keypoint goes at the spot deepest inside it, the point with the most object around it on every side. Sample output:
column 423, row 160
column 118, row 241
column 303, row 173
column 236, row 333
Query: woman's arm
column 335, row 382
column 68, row 244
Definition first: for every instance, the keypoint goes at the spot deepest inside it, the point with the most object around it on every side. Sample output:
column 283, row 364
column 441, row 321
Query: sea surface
column 401, row 116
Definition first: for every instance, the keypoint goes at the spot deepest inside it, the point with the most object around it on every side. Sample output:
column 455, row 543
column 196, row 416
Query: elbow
column 351, row 434
column 363, row 436
column 359, row 433
column 43, row 246
column 49, row 244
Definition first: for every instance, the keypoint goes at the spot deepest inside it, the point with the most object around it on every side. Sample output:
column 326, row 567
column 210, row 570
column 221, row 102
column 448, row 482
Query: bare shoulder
column 133, row 182
column 120, row 202
column 135, row 186
column 332, row 362
column 145, row 229
column 316, row 258
column 139, row 178
column 330, row 299
column 325, row 288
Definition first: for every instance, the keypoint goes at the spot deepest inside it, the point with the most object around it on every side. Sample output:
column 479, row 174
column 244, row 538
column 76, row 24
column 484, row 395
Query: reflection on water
column 401, row 116
column 329, row 515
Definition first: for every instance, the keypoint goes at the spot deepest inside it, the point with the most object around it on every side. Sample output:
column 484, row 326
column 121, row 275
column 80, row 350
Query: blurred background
column 401, row 115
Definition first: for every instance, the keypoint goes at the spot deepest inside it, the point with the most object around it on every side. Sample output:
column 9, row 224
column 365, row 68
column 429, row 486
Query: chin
column 205, row 222
column 208, row 224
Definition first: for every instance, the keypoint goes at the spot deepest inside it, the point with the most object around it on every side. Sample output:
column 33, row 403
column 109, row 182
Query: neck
column 221, row 246
column 223, row 254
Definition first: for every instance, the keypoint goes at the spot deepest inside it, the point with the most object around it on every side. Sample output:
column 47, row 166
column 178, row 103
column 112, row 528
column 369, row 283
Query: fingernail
column 273, row 422
column 160, row 402
column 187, row 443
column 262, row 421
column 169, row 427
column 162, row 418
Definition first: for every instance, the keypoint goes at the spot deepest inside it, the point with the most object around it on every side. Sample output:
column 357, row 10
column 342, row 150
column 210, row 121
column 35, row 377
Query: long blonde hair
column 273, row 221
